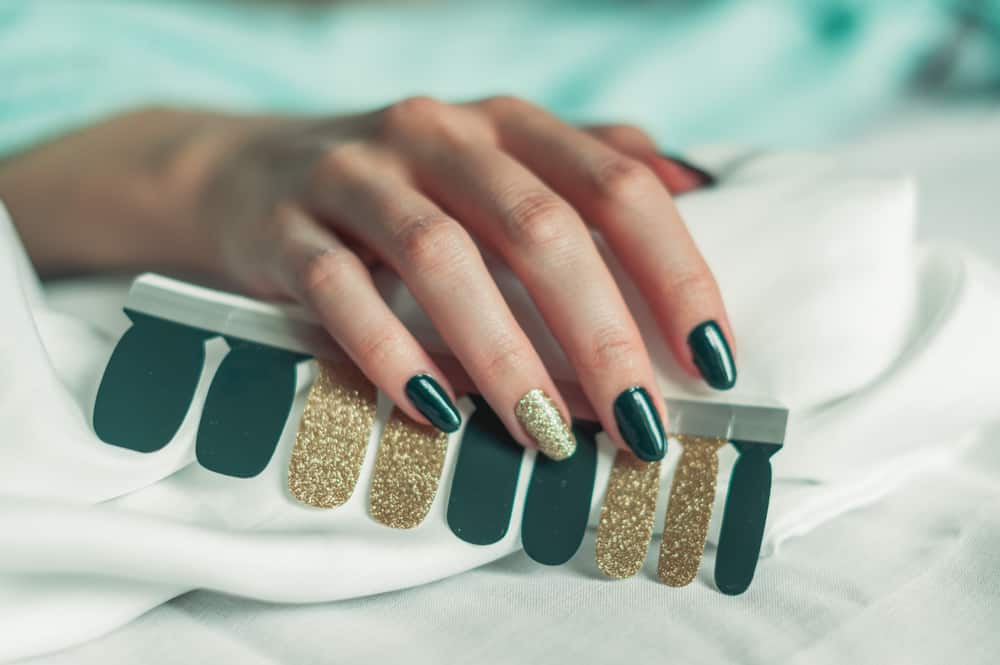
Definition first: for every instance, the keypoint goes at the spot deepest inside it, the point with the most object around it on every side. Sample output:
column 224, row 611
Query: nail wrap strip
column 407, row 470
column 626, row 524
column 149, row 383
column 744, row 517
column 485, row 480
column 689, row 510
column 246, row 408
column 333, row 436
column 558, row 501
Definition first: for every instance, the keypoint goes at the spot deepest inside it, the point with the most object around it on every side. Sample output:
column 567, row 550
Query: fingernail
column 433, row 402
column 640, row 424
column 541, row 419
column 712, row 355
column 707, row 179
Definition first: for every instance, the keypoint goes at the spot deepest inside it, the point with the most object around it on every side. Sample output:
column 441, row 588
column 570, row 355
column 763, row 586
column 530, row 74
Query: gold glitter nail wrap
column 407, row 469
column 626, row 524
column 541, row 419
column 689, row 510
column 333, row 436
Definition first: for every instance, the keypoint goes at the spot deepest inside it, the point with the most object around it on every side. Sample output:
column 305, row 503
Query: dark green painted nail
column 708, row 180
column 712, row 355
column 432, row 401
column 640, row 424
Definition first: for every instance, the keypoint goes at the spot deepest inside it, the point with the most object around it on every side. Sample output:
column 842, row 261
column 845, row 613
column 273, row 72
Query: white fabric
column 911, row 580
column 836, row 312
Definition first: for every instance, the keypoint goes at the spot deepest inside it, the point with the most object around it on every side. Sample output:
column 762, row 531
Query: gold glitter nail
column 689, row 511
column 407, row 469
column 333, row 436
column 626, row 524
column 540, row 417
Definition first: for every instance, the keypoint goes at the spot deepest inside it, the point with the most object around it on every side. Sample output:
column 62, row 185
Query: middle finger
column 550, row 249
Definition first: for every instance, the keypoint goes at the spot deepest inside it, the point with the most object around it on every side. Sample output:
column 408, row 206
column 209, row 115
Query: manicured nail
column 640, row 424
column 712, row 355
column 707, row 179
column 541, row 419
column 433, row 402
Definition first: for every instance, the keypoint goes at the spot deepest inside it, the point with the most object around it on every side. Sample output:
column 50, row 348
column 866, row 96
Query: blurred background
column 773, row 72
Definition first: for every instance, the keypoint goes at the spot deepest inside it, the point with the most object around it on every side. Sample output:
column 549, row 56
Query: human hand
column 304, row 208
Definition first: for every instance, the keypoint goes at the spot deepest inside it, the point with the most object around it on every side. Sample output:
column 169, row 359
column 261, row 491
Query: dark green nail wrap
column 640, row 424
column 744, row 517
column 432, row 401
column 712, row 355
column 246, row 408
column 149, row 383
column 558, row 502
column 485, row 480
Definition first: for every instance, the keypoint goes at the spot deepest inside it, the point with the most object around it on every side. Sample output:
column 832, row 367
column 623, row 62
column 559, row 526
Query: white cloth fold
column 876, row 346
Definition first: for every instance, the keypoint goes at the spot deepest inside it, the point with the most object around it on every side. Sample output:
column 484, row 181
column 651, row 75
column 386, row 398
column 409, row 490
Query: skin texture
column 303, row 207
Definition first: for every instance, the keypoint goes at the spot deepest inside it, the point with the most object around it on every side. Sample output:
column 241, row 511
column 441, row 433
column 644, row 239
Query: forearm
column 119, row 195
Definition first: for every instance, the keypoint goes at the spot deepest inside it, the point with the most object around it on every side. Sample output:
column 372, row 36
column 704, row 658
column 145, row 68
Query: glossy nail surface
column 541, row 419
column 432, row 401
column 640, row 424
column 712, row 355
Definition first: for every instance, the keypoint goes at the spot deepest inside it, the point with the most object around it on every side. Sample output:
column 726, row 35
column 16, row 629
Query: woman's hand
column 305, row 207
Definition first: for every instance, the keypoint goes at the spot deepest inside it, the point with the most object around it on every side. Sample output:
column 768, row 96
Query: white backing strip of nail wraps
column 286, row 326
column 292, row 327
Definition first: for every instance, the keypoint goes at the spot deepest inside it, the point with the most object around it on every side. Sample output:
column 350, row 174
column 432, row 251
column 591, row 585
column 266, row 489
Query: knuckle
column 609, row 348
column 626, row 134
column 690, row 283
column 414, row 113
column 327, row 272
column 379, row 348
column 506, row 357
column 504, row 104
column 430, row 241
column 537, row 220
column 342, row 159
column 622, row 178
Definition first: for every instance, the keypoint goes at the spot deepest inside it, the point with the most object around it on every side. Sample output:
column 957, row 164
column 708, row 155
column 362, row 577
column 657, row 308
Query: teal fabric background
column 771, row 71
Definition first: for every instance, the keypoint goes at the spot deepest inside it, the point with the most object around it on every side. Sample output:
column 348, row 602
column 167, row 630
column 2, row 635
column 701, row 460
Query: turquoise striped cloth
column 771, row 71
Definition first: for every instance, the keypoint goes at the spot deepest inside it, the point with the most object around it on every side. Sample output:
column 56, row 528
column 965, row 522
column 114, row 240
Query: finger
column 576, row 400
column 679, row 175
column 442, row 267
column 550, row 249
column 328, row 277
column 636, row 214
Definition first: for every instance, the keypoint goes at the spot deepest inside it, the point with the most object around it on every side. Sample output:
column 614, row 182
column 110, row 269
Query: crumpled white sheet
column 876, row 346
